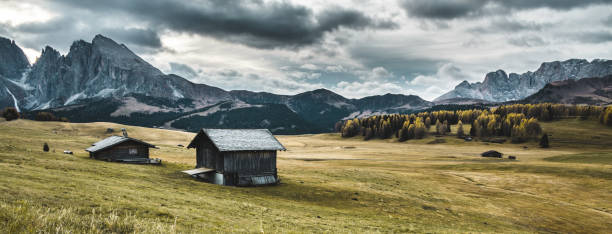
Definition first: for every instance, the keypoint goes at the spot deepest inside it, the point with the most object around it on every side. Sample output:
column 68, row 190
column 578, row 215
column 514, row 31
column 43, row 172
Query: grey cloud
column 397, row 62
column 594, row 37
column 608, row 21
column 183, row 70
column 508, row 25
column 446, row 10
column 527, row 41
column 250, row 22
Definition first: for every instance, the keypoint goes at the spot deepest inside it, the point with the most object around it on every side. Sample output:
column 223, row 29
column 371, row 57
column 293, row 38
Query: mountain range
column 103, row 80
column 499, row 86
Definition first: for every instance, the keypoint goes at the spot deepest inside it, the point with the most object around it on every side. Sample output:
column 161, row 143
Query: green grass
column 595, row 158
column 329, row 184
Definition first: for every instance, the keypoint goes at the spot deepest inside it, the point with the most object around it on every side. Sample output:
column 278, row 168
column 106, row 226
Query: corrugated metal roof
column 113, row 140
column 242, row 139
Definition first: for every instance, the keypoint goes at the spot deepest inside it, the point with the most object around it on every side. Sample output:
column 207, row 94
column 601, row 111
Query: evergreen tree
column 544, row 141
column 473, row 129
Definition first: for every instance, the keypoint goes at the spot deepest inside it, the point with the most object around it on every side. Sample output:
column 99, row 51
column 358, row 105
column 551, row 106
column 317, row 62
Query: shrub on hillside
column 45, row 116
column 10, row 113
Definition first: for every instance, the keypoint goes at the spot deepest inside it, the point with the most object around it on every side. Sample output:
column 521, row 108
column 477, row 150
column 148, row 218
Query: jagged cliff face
column 104, row 68
column 499, row 86
column 13, row 64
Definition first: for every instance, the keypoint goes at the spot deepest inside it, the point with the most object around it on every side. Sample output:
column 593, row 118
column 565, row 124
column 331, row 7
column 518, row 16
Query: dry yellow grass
column 328, row 184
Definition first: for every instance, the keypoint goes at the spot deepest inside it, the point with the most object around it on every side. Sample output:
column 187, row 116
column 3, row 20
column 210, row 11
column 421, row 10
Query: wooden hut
column 122, row 149
column 238, row 157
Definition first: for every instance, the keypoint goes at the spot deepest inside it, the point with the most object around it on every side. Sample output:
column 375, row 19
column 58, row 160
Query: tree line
column 10, row 113
column 518, row 121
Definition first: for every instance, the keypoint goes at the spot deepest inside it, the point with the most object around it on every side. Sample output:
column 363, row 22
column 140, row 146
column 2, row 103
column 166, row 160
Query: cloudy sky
column 355, row 48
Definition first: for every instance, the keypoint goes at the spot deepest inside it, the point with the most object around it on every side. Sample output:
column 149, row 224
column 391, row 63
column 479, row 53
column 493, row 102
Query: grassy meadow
column 329, row 184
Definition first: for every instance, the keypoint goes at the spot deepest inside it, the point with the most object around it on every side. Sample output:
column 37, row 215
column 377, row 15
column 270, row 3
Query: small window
column 133, row 151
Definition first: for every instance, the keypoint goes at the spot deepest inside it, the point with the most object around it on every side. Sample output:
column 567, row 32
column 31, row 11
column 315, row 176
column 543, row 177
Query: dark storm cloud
column 64, row 29
column 141, row 37
column 250, row 22
column 445, row 10
column 441, row 9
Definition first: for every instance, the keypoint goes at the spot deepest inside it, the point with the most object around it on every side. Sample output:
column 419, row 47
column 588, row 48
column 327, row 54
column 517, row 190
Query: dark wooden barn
column 122, row 149
column 238, row 157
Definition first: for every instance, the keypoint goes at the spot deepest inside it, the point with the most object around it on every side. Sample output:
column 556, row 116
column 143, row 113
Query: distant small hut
column 122, row 149
column 236, row 157
column 492, row 154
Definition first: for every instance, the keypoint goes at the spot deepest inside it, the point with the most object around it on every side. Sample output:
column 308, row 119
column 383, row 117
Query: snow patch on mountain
column 75, row 97
column 16, row 103
column 105, row 92
column 363, row 114
column 22, row 81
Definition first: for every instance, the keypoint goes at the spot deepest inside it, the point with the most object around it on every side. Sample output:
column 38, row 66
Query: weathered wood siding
column 242, row 166
column 250, row 162
column 208, row 156
column 122, row 151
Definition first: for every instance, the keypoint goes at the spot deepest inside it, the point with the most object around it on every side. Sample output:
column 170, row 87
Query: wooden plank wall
column 122, row 151
column 250, row 162
column 207, row 155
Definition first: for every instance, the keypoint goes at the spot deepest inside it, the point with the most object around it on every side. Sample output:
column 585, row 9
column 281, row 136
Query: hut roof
column 113, row 140
column 240, row 139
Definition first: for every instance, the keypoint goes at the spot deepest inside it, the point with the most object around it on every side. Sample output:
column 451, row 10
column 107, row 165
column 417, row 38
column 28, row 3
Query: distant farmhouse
column 237, row 157
column 122, row 149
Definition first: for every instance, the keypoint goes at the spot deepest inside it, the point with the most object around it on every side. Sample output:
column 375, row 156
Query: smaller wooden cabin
column 237, row 157
column 122, row 149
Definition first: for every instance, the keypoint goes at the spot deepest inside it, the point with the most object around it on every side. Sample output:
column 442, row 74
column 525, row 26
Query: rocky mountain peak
column 13, row 61
column 463, row 84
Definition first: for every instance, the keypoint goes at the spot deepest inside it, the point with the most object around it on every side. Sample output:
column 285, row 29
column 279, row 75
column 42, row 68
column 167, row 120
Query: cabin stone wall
column 125, row 150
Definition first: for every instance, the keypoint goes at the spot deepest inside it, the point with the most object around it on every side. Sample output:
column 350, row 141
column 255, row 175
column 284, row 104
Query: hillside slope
column 329, row 184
